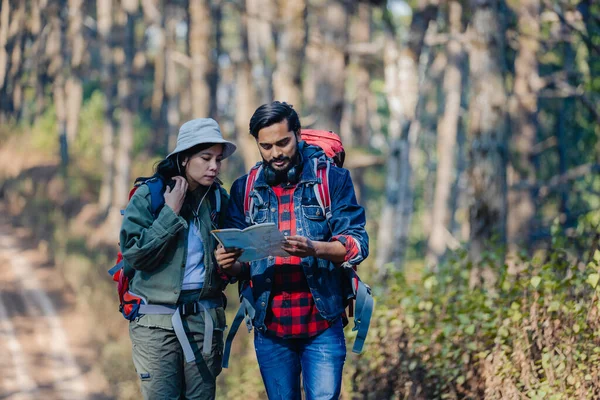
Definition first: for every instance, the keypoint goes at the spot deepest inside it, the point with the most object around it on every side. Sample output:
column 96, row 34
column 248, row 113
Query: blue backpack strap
column 117, row 267
column 363, row 312
column 214, row 198
column 157, row 199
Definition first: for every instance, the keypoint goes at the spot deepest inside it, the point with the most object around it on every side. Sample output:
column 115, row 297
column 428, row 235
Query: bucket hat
column 201, row 130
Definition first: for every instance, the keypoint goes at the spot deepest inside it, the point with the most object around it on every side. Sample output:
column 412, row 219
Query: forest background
column 471, row 130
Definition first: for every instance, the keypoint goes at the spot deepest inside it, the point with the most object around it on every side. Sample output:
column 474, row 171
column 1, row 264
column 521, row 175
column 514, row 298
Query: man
column 299, row 300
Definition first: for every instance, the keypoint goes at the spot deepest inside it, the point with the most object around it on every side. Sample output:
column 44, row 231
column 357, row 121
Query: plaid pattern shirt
column 292, row 312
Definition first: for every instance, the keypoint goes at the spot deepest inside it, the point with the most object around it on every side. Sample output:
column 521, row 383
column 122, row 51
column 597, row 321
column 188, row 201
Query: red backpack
column 129, row 303
column 328, row 141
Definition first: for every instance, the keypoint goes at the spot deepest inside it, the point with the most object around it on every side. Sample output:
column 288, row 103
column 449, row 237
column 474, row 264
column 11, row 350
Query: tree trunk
column 521, row 205
column 203, row 71
column 17, row 33
column 73, row 87
column 104, row 11
column 172, row 86
column 354, row 129
column 4, row 24
column 122, row 181
column 290, row 52
column 487, row 135
column 402, row 84
column 261, row 48
column 446, row 139
column 246, row 98
column 327, row 59
column 55, row 52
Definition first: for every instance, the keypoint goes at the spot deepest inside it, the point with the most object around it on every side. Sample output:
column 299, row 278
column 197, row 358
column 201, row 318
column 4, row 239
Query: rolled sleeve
column 348, row 217
column 352, row 248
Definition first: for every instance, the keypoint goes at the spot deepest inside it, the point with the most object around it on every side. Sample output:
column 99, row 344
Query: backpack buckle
column 189, row 309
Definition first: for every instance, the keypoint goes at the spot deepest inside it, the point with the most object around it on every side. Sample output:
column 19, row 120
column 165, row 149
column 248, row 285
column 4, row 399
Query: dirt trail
column 45, row 350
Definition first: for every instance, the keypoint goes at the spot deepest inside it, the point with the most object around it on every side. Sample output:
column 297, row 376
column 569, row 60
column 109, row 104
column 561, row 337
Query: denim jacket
column 328, row 283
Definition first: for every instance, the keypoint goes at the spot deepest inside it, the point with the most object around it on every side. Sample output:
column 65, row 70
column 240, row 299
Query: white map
column 258, row 241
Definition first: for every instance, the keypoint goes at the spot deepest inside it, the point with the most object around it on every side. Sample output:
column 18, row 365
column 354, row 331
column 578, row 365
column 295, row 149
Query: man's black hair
column 269, row 114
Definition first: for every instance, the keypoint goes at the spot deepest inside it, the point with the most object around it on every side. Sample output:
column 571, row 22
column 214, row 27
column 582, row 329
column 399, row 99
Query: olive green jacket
column 156, row 248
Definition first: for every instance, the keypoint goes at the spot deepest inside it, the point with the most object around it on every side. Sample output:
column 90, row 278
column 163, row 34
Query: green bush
column 532, row 334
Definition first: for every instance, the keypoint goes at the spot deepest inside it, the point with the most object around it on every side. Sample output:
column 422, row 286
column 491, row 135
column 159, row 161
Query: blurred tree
column 125, row 18
column 355, row 130
column 203, row 31
column 291, row 42
column 246, row 97
column 75, row 50
column 104, row 13
column 327, row 61
column 402, row 87
column 487, row 135
column 447, row 129
column 58, row 72
column 261, row 46
column 173, row 82
column 523, row 111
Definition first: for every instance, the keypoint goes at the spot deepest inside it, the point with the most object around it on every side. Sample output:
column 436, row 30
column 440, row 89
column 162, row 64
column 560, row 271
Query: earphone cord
column 196, row 213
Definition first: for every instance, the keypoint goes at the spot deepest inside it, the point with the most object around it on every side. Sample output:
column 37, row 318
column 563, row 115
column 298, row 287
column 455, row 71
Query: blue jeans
column 320, row 359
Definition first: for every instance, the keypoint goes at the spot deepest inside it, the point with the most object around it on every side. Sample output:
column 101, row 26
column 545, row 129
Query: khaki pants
column 161, row 366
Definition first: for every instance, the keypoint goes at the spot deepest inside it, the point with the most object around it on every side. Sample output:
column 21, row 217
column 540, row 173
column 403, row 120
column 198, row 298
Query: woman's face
column 203, row 167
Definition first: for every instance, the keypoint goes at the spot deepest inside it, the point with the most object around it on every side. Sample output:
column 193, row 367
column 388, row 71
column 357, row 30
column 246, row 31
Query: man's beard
column 282, row 174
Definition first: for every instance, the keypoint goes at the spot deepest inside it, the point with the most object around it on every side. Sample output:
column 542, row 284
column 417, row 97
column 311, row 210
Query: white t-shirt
column 193, row 277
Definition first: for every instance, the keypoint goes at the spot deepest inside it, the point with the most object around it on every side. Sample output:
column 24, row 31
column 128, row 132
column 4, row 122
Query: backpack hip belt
column 187, row 309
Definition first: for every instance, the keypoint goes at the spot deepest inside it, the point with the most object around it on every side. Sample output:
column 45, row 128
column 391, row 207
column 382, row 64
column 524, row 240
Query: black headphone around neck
column 272, row 177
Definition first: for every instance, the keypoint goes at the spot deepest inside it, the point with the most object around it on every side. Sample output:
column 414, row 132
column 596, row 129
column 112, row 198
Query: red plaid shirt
column 292, row 312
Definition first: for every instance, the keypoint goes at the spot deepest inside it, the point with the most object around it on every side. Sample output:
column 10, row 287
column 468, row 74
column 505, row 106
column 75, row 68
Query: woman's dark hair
column 172, row 166
column 269, row 114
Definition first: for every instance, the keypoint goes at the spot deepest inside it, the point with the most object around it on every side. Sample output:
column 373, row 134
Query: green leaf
column 469, row 330
column 502, row 331
column 597, row 256
column 535, row 281
column 554, row 306
column 593, row 279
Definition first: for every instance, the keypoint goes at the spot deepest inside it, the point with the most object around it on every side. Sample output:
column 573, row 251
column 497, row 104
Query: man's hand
column 227, row 260
column 299, row 246
column 174, row 197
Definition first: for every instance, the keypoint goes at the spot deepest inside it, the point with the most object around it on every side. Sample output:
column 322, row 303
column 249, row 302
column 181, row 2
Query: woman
column 178, row 339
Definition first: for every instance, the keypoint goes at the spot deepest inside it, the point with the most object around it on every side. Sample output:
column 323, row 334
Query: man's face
column 278, row 146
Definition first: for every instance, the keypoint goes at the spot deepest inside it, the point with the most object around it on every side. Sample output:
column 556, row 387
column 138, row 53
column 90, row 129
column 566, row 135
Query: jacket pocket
column 315, row 222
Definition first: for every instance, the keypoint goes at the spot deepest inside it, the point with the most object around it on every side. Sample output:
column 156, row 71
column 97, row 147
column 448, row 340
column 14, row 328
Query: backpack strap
column 245, row 312
column 157, row 199
column 215, row 201
column 249, row 187
column 321, row 167
column 364, row 310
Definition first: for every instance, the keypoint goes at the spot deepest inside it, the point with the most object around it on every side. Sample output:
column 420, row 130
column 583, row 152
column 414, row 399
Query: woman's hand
column 227, row 260
column 174, row 197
